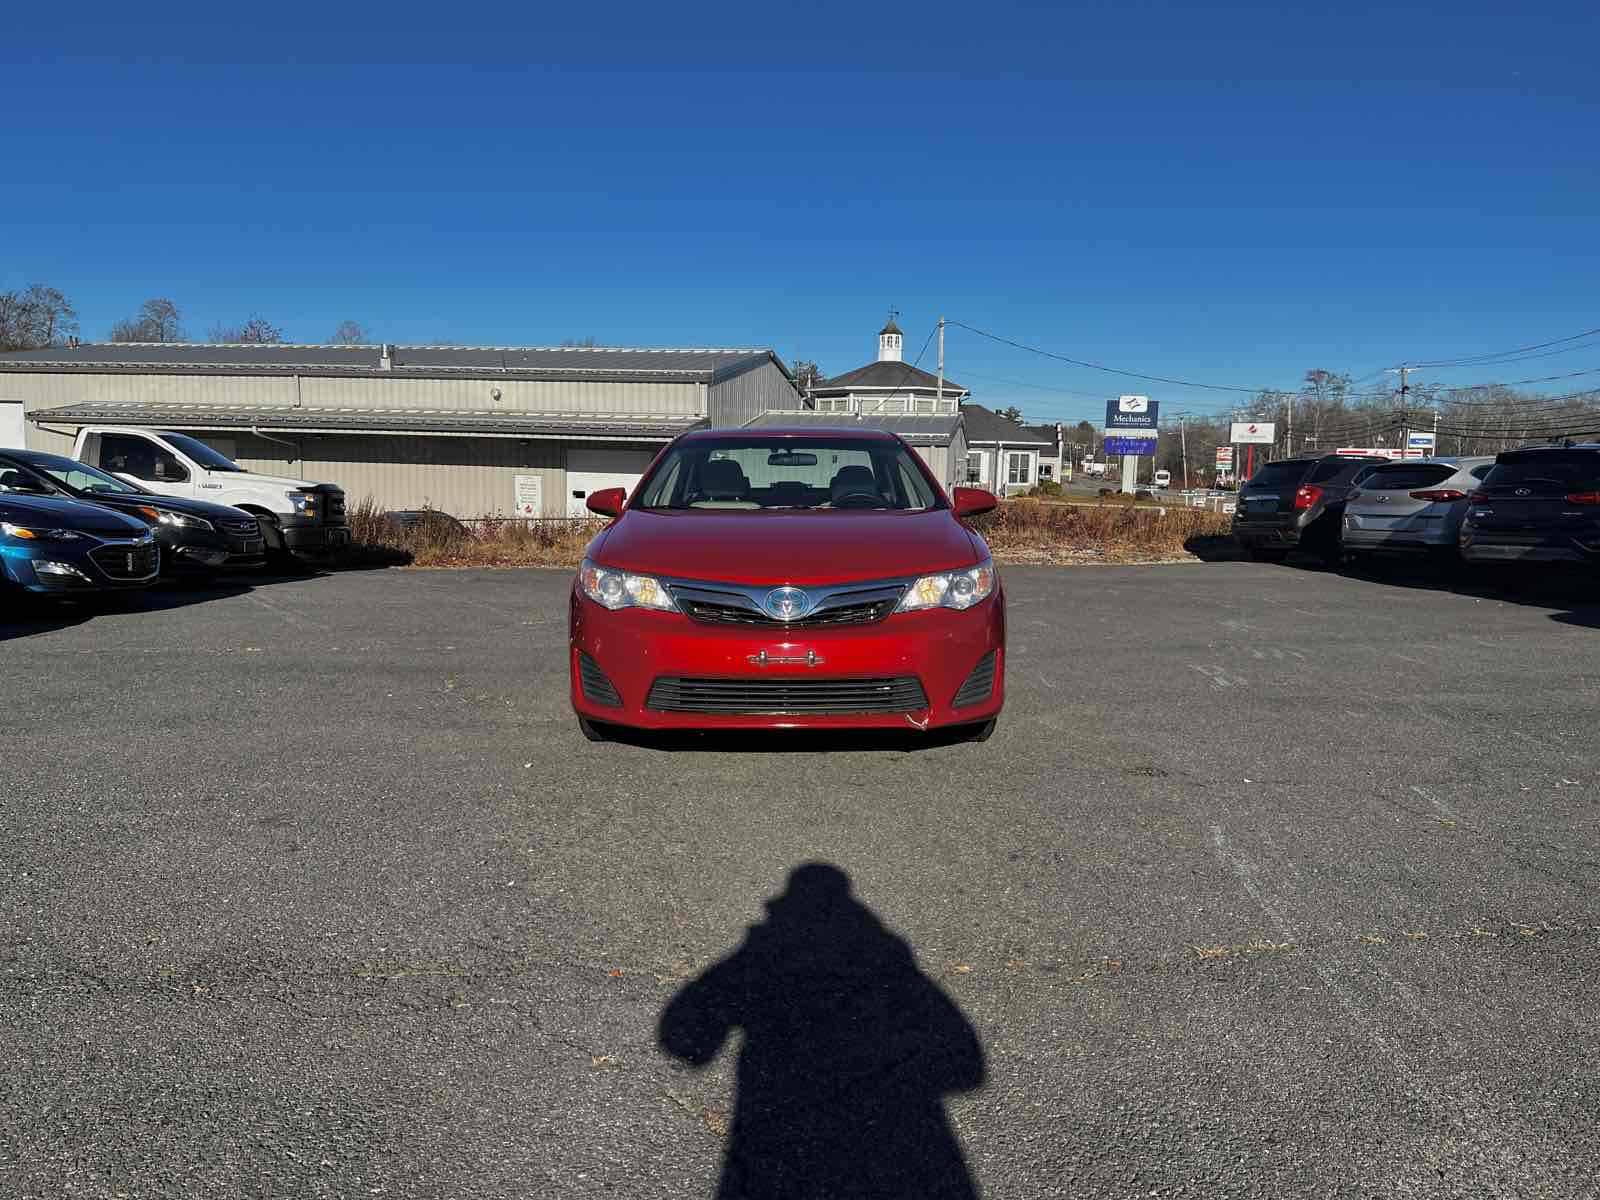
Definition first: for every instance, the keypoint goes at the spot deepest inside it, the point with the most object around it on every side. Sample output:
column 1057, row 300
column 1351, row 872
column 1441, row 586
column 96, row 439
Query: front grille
column 333, row 507
column 241, row 528
column 979, row 685
column 127, row 562
column 784, row 697
column 861, row 607
column 597, row 689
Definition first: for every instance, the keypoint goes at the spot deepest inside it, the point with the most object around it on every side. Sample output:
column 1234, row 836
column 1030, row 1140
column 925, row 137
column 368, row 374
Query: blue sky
column 1227, row 192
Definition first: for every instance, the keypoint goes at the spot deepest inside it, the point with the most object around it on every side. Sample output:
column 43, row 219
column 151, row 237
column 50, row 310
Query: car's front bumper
column 204, row 553
column 634, row 648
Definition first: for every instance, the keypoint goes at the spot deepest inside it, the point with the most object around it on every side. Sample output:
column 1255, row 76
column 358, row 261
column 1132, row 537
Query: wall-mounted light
column 494, row 394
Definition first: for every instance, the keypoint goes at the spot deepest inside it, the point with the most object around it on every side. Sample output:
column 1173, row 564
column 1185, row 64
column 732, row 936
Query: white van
column 1163, row 479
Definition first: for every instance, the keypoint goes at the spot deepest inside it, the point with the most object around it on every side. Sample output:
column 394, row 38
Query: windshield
column 81, row 477
column 766, row 473
column 201, row 453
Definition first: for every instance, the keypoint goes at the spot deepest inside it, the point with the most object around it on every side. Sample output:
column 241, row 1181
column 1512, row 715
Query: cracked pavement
column 1270, row 882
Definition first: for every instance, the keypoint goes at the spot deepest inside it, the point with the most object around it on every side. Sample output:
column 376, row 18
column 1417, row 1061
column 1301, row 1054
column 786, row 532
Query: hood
column 250, row 477
column 194, row 508
column 60, row 513
column 788, row 546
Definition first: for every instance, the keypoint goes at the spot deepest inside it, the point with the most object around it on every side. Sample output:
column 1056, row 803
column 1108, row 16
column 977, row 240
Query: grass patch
column 1018, row 531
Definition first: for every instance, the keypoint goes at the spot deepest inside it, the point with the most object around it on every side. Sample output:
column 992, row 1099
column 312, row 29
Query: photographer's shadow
column 848, row 1052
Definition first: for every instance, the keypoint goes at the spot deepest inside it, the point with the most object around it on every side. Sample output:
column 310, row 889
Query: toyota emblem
column 787, row 603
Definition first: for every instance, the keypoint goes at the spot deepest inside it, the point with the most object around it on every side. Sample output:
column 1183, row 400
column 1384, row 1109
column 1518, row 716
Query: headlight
column 184, row 521
column 304, row 502
column 29, row 533
column 953, row 589
column 619, row 589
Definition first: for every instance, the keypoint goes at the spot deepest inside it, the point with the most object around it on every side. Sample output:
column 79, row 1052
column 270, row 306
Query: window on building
column 974, row 468
column 1017, row 468
column 1045, row 470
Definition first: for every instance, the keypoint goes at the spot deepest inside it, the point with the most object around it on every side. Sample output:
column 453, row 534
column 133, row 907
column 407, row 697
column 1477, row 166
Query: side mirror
column 972, row 502
column 607, row 502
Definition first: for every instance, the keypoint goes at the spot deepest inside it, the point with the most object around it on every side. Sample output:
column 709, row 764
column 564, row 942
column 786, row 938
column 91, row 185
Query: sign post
column 1131, row 430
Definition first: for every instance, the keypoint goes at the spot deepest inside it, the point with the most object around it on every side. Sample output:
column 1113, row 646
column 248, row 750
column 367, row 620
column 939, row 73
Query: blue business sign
column 1132, row 412
column 1130, row 442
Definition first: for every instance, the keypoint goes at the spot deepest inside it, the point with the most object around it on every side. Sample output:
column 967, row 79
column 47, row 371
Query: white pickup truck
column 297, row 517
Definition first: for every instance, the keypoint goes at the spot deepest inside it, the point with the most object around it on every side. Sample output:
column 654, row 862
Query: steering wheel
column 845, row 499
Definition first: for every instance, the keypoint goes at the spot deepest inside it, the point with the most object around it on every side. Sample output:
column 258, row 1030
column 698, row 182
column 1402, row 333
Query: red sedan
column 814, row 579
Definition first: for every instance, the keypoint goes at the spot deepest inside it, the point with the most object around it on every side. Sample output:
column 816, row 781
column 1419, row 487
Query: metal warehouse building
column 463, row 430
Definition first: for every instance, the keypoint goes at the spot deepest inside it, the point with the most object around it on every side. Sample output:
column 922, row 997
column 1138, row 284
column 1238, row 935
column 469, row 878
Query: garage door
column 11, row 425
column 595, row 470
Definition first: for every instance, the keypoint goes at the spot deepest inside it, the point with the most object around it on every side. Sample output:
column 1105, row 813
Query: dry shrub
column 487, row 541
column 1029, row 531
column 1019, row 531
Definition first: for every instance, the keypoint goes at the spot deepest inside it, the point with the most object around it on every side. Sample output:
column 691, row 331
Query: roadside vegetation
column 1019, row 531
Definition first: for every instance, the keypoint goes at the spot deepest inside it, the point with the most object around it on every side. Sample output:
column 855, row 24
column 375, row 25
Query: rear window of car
column 1288, row 473
column 1335, row 468
column 1563, row 468
column 1404, row 479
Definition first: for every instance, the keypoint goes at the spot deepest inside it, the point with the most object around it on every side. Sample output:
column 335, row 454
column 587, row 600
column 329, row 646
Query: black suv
column 1297, row 502
column 1539, row 504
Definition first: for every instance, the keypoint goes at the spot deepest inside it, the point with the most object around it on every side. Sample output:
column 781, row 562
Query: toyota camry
column 787, row 579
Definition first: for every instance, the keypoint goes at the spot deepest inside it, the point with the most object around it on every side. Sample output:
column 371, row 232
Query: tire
column 592, row 731
column 1267, row 554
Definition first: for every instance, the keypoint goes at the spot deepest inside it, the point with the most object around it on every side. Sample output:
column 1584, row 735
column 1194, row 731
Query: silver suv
column 1412, row 508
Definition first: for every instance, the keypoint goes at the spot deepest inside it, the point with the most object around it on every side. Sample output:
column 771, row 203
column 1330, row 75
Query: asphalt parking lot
column 1271, row 882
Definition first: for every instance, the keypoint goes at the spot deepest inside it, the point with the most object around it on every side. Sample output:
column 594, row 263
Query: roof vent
column 386, row 357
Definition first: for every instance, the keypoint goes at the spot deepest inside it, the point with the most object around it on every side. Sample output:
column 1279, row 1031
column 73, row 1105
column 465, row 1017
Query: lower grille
column 597, row 689
column 127, row 562
column 979, row 685
column 783, row 697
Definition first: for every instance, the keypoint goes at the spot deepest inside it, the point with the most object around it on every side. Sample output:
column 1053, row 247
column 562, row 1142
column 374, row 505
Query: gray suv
column 1297, row 503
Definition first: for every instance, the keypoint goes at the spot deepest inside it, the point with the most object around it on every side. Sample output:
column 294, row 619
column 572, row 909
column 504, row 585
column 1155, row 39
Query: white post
column 1130, row 472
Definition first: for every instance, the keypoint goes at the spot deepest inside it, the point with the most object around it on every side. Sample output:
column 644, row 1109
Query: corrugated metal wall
column 734, row 401
column 48, row 390
column 467, row 477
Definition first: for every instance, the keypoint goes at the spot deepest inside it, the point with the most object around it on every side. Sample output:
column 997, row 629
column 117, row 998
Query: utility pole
column 1183, row 440
column 939, row 403
column 1405, row 417
column 1291, row 424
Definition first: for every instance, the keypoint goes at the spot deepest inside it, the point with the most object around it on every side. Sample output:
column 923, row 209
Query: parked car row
column 70, row 526
column 1537, row 504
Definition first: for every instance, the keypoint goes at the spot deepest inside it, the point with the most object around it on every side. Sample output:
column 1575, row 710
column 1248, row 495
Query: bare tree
column 36, row 317
column 158, row 320
column 1012, row 413
column 349, row 333
column 256, row 331
column 806, row 375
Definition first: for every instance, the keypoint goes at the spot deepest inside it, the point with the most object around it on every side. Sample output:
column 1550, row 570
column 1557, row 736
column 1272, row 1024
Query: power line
column 1093, row 366
column 1486, row 358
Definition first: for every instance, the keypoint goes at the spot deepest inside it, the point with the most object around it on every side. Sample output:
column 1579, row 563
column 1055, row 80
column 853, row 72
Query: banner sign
column 1224, row 456
column 1130, row 441
column 1259, row 433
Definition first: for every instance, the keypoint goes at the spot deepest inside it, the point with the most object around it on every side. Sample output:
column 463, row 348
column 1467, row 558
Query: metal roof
column 290, row 419
column 600, row 363
column 990, row 427
column 918, row 430
column 897, row 375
